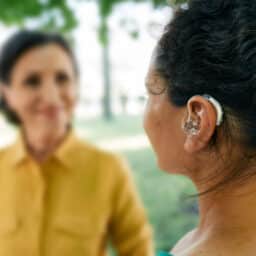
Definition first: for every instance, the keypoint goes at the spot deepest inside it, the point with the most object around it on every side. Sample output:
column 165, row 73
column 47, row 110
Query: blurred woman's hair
column 15, row 47
column 210, row 48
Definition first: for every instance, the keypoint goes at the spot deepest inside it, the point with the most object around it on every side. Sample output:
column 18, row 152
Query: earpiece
column 191, row 127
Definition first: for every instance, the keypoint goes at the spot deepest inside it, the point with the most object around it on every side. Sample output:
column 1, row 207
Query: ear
column 201, row 112
column 5, row 93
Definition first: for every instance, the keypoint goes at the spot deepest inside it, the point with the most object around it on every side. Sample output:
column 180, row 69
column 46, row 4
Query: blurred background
column 113, row 41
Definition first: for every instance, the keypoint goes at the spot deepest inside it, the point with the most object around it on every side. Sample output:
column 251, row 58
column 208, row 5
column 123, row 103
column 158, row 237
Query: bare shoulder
column 187, row 247
column 191, row 246
column 184, row 242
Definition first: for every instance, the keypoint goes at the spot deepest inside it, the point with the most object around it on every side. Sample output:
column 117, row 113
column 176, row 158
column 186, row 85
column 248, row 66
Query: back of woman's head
column 15, row 47
column 209, row 47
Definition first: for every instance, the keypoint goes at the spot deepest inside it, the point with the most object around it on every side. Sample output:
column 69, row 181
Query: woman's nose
column 50, row 93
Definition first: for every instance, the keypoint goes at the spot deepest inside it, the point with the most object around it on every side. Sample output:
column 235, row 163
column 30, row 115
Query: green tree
column 59, row 15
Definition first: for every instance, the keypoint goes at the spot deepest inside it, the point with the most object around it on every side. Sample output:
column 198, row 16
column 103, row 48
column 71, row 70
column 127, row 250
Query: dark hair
column 210, row 48
column 17, row 45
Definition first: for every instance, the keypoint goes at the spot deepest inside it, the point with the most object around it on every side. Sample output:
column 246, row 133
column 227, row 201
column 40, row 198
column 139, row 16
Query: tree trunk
column 107, row 95
column 106, row 67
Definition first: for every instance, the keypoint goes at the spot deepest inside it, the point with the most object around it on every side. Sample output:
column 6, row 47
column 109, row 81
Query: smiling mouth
column 50, row 113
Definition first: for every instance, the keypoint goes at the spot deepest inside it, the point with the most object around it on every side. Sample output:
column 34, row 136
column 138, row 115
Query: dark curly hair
column 210, row 48
column 15, row 47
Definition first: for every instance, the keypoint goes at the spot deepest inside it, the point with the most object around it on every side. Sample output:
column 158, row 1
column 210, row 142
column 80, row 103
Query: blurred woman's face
column 162, row 123
column 42, row 90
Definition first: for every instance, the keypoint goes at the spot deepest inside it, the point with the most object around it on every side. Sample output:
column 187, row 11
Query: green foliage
column 18, row 12
column 106, row 6
column 177, row 2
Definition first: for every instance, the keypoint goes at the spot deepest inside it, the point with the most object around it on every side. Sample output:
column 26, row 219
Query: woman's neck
column 227, row 224
column 232, row 209
column 41, row 144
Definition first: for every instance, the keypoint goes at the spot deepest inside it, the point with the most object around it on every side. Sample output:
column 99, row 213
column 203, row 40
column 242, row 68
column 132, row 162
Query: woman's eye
column 62, row 78
column 32, row 81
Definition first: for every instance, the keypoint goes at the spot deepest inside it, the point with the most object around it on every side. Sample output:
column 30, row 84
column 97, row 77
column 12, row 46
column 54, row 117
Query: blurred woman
column 59, row 195
column 201, row 117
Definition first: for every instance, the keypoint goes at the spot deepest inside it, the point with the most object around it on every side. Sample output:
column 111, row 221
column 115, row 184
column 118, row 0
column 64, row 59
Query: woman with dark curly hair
column 59, row 195
column 201, row 119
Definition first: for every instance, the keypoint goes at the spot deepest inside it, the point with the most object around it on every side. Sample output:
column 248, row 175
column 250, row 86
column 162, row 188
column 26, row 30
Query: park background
column 113, row 41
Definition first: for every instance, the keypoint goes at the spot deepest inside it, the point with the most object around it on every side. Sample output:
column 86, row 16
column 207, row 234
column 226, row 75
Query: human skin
column 42, row 92
column 227, row 223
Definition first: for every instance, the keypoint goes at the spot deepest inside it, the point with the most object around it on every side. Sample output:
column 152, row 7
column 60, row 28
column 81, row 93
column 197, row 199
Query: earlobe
column 189, row 145
column 193, row 143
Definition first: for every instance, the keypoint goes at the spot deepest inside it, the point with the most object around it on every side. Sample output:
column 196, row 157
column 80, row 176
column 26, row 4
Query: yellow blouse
column 70, row 205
